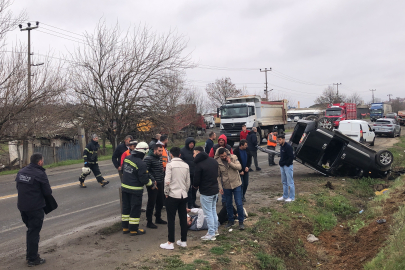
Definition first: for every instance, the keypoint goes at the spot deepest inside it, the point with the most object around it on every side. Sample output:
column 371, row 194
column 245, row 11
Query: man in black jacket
column 91, row 162
column 252, row 146
column 33, row 186
column 156, row 192
column 116, row 157
column 187, row 154
column 135, row 176
column 245, row 159
column 206, row 180
column 286, row 168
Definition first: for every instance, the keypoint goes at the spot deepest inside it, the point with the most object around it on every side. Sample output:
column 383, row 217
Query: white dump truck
column 252, row 111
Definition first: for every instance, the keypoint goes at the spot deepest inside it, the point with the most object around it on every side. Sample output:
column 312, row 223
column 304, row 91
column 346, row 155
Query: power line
column 62, row 37
column 63, row 34
column 63, row 29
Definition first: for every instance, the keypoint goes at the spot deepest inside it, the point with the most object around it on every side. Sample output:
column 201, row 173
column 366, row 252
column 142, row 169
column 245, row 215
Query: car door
column 366, row 132
column 313, row 146
column 371, row 132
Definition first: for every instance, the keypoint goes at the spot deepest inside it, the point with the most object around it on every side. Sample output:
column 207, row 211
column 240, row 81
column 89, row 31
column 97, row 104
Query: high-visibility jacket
column 123, row 156
column 134, row 175
column 165, row 158
column 90, row 152
column 274, row 138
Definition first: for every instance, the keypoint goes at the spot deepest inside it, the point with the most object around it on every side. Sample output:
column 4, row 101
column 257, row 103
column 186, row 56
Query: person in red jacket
column 244, row 133
column 131, row 145
column 222, row 142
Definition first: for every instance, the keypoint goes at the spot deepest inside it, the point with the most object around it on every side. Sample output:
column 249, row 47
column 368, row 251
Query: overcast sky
column 308, row 44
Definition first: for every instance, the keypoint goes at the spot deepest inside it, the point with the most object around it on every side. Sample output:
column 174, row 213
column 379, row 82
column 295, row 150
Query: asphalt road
column 78, row 207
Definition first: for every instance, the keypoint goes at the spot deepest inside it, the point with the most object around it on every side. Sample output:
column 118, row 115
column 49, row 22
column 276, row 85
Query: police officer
column 90, row 161
column 135, row 176
column 33, row 186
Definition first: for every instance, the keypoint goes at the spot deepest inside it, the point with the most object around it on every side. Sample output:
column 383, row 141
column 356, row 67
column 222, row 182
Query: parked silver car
column 387, row 126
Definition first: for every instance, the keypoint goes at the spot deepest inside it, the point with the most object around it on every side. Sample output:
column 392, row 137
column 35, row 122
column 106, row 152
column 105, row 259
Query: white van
column 357, row 130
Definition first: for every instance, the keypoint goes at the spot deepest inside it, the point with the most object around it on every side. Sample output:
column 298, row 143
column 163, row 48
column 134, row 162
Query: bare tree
column 196, row 97
column 220, row 90
column 355, row 98
column 116, row 75
column 329, row 96
column 397, row 105
column 8, row 20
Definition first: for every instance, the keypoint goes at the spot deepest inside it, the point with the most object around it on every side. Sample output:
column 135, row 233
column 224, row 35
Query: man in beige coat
column 229, row 183
column 176, row 186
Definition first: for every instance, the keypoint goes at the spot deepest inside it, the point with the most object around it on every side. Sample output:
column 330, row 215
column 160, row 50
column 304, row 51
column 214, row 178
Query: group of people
column 172, row 179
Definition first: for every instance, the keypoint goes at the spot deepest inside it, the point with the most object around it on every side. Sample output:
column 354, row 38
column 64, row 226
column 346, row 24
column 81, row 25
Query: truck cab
column 252, row 111
column 340, row 112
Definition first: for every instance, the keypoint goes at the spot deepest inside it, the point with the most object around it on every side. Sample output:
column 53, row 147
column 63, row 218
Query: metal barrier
column 54, row 154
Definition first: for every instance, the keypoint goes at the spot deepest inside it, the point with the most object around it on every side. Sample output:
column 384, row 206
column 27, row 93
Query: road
column 78, row 208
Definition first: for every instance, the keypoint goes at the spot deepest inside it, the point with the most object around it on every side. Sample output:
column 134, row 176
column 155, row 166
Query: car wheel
column 372, row 143
column 399, row 133
column 384, row 158
column 325, row 123
column 392, row 135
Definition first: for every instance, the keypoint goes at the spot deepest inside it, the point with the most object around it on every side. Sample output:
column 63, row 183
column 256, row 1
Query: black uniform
column 155, row 196
column 90, row 156
column 135, row 176
column 187, row 156
column 33, row 186
column 116, row 157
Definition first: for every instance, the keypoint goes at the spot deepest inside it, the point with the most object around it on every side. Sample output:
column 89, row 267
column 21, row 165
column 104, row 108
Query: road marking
column 62, row 186
column 63, row 215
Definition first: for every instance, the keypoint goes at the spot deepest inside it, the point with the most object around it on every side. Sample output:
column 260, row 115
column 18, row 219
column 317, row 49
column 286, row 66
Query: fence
column 53, row 154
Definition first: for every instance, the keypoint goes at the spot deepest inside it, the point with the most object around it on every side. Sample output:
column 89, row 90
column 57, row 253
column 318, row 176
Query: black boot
column 160, row 221
column 36, row 262
column 151, row 225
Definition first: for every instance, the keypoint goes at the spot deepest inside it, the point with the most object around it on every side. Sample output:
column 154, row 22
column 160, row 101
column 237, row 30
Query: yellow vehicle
column 217, row 121
column 145, row 126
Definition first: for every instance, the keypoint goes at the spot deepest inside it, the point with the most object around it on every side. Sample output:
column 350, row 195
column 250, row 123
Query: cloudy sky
column 309, row 44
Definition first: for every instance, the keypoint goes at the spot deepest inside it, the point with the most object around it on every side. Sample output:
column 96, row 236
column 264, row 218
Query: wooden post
column 54, row 153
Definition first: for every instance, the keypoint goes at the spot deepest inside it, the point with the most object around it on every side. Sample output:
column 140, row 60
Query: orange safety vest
column 164, row 158
column 269, row 143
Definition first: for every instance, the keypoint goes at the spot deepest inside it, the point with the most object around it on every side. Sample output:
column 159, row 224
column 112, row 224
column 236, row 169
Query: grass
column 392, row 255
column 270, row 262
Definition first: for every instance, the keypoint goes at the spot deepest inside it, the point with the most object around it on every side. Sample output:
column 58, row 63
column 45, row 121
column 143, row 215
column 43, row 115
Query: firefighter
column 135, row 176
column 271, row 144
column 91, row 164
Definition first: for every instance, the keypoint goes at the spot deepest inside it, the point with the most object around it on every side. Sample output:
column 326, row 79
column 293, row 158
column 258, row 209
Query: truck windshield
column 376, row 111
column 334, row 112
column 234, row 112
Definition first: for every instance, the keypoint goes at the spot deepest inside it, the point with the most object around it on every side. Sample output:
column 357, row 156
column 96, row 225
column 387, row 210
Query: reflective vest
column 269, row 143
column 165, row 158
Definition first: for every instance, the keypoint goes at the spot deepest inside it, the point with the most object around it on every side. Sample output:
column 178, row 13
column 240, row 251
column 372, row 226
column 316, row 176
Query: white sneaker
column 289, row 200
column 216, row 233
column 280, row 199
column 182, row 244
column 208, row 238
column 167, row 246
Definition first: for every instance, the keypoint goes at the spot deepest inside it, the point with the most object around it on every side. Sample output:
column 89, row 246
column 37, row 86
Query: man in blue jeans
column 286, row 168
column 206, row 180
column 229, row 183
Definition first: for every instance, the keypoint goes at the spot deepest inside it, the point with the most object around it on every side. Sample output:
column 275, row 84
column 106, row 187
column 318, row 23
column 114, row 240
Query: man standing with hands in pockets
column 286, row 168
column 176, row 186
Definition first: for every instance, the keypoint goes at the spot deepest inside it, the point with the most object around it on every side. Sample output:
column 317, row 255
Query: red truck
column 338, row 112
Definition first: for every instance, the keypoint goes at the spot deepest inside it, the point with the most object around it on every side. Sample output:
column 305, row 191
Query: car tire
column 384, row 158
column 325, row 123
column 372, row 143
column 399, row 133
column 392, row 135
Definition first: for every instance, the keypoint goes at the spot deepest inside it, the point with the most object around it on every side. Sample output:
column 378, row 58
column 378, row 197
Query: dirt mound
column 349, row 251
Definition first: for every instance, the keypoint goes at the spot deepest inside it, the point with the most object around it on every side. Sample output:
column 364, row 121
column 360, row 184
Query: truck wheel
column 325, row 123
column 384, row 158
column 259, row 137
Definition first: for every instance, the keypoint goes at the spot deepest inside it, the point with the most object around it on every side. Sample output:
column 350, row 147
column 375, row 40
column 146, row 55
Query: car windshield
column 390, row 116
column 376, row 111
column 383, row 122
column 334, row 112
column 234, row 112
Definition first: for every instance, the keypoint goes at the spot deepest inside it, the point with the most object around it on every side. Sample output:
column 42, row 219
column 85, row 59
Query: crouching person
column 198, row 221
column 177, row 184
column 135, row 176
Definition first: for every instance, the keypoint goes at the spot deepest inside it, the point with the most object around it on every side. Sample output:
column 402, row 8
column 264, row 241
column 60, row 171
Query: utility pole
column 372, row 91
column 266, row 91
column 29, row 28
column 337, row 88
column 27, row 148
column 389, row 96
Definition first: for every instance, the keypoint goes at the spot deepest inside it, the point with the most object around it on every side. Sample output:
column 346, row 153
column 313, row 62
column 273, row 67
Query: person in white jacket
column 197, row 222
column 176, row 186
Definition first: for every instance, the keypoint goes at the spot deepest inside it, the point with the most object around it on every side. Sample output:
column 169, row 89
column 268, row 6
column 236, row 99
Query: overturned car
column 332, row 153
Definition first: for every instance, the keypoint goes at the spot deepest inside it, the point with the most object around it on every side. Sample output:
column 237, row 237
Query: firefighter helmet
column 85, row 170
column 142, row 147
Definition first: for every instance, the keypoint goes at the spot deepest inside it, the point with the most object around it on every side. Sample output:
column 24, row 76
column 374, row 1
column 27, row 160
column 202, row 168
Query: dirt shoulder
column 275, row 235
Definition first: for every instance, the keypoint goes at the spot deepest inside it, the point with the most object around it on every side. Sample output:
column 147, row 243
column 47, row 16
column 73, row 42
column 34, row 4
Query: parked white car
column 357, row 130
